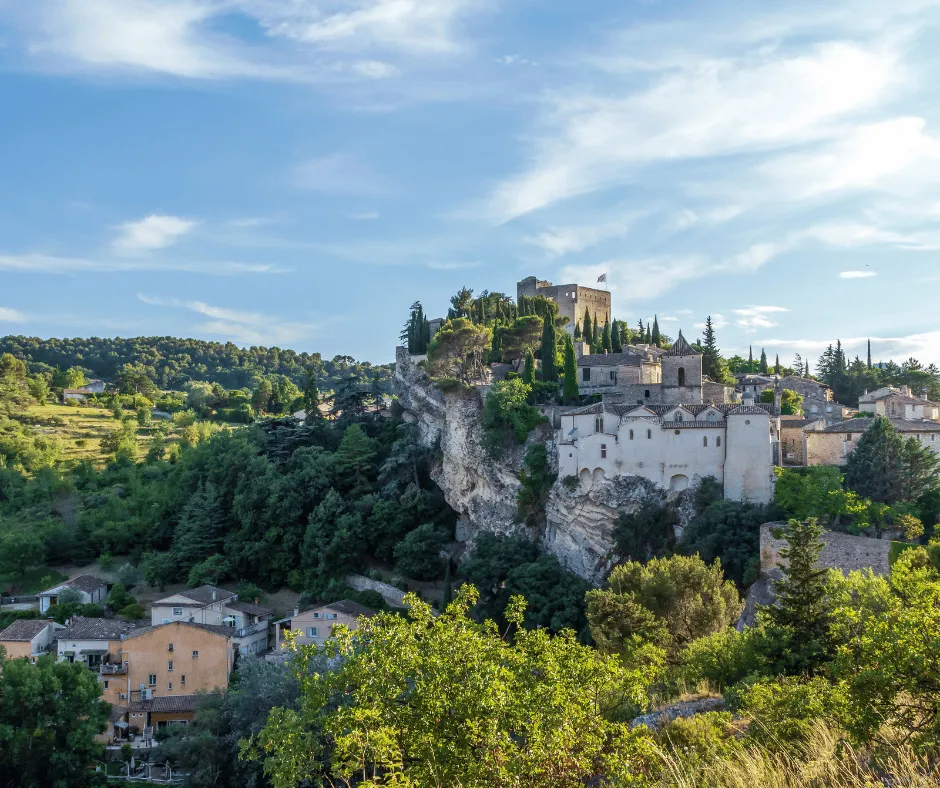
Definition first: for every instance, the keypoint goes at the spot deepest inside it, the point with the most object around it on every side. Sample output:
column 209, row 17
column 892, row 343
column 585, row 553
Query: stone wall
column 394, row 596
column 842, row 551
column 822, row 448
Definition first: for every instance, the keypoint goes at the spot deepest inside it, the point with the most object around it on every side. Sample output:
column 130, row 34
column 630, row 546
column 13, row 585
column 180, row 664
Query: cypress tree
column 799, row 623
column 577, row 331
column 763, row 362
column 496, row 349
column 806, row 372
column 528, row 372
column 642, row 330
column 649, row 335
column 588, row 330
column 571, row 393
column 656, row 336
column 750, row 359
column 598, row 336
column 615, row 338
column 605, row 339
column 547, row 352
column 711, row 357
column 777, row 365
column 869, row 354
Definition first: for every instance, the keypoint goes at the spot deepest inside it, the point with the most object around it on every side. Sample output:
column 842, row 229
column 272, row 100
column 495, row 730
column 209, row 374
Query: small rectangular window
column 177, row 611
column 647, row 394
column 603, row 451
column 195, row 654
column 170, row 647
column 106, row 685
column 649, row 435
column 586, row 375
column 183, row 679
column 718, row 442
column 311, row 632
column 152, row 680
column 169, row 686
column 169, row 665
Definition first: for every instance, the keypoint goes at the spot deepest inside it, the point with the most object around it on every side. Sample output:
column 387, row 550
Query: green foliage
column 507, row 415
column 536, row 479
column 786, row 712
column 570, row 393
column 521, row 337
column 528, row 372
column 418, row 555
column 797, row 627
column 728, row 531
column 723, row 659
column 425, row 696
column 646, row 533
column 459, row 350
column 548, row 352
column 668, row 602
column 817, row 492
column 888, row 469
column 50, row 713
column 506, row 566
column 702, row 739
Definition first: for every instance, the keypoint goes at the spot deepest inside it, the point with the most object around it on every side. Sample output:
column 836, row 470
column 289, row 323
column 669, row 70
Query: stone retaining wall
column 842, row 551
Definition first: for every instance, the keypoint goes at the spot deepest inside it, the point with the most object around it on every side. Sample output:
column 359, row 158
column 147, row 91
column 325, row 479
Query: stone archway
column 679, row 482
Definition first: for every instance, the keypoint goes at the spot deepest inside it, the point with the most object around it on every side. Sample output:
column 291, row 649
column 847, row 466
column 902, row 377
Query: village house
column 754, row 384
column 316, row 625
column 817, row 397
column 791, row 437
column 673, row 446
column 640, row 376
column 29, row 638
column 152, row 674
column 92, row 590
column 249, row 621
column 832, row 444
column 81, row 392
column 898, row 403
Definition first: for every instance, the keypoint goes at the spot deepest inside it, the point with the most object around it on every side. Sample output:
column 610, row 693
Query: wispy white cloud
column 764, row 100
column 303, row 41
column 239, row 326
column 575, row 238
column 857, row 274
column 34, row 262
column 339, row 173
column 364, row 216
column 152, row 232
column 11, row 315
column 751, row 318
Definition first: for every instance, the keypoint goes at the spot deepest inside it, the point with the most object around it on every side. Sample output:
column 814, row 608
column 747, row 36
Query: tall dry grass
column 825, row 761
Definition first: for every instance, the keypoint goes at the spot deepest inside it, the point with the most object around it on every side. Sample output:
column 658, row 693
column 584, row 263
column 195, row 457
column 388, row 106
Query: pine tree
column 642, row 332
column 798, row 625
column 528, row 371
column 605, row 339
column 571, row 393
column 588, row 330
column 311, row 395
column 615, row 337
column 656, row 336
column 713, row 365
column 547, row 352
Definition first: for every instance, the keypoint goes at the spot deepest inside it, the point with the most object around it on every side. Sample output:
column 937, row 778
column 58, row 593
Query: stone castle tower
column 682, row 373
column 574, row 301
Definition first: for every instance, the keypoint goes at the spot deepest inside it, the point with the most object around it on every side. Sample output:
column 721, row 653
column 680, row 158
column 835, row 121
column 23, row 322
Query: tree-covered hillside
column 172, row 362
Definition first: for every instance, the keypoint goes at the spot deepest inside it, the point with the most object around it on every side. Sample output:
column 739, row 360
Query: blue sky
column 297, row 172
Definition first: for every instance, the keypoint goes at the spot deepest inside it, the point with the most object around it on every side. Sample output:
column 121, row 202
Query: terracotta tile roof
column 86, row 583
column 217, row 629
column 681, row 348
column 795, row 422
column 250, row 608
column 902, row 425
column 167, row 703
column 350, row 608
column 610, row 360
column 81, row 628
column 23, row 630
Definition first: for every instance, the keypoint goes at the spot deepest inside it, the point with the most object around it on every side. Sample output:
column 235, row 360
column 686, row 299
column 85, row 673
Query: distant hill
column 171, row 362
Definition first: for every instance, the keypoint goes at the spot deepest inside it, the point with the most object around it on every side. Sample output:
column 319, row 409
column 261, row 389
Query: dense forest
column 171, row 363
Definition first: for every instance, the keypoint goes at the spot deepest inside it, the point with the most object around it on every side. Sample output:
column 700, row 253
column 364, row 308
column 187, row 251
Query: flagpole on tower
column 603, row 278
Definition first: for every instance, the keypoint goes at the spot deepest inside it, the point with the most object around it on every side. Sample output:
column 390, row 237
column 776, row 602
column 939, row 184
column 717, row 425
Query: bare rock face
column 580, row 523
column 483, row 491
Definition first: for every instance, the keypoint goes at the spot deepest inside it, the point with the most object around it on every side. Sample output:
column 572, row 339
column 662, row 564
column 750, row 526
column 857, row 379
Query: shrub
column 507, row 415
column 133, row 612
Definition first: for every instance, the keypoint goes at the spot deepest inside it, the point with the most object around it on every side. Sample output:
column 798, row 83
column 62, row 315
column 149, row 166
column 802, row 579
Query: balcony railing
column 113, row 670
column 254, row 629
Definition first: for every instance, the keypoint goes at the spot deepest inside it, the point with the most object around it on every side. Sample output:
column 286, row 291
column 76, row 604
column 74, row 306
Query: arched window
column 681, row 376
column 678, row 418
column 719, row 442
column 711, row 416
column 649, row 435
column 705, row 441
column 631, row 434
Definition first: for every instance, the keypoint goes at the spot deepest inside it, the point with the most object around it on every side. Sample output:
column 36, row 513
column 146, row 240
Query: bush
column 785, row 712
column 721, row 659
column 702, row 739
column 507, row 415
column 133, row 612
column 418, row 555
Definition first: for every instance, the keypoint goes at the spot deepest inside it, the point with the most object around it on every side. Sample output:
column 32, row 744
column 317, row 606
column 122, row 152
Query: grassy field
column 80, row 430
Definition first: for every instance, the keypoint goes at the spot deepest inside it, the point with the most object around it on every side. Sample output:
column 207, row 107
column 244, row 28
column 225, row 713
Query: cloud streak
column 152, row 232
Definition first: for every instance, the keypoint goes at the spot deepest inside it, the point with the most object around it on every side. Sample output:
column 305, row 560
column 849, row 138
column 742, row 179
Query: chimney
column 296, row 611
column 748, row 398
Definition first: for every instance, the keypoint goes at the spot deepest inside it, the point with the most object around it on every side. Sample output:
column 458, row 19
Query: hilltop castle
column 574, row 301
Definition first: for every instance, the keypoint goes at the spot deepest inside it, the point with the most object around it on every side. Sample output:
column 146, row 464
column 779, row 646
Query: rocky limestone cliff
column 483, row 490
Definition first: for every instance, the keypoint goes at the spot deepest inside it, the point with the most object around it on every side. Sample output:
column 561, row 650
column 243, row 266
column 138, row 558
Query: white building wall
column 749, row 461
